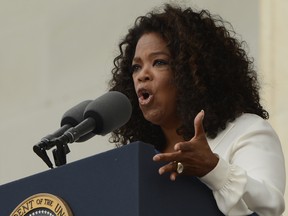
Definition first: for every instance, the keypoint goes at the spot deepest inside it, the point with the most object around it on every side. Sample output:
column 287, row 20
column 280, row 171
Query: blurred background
column 55, row 54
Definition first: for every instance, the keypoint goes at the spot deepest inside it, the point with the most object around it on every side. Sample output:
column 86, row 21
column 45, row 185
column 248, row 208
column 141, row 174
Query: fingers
column 186, row 152
column 183, row 146
column 169, row 168
column 198, row 126
column 173, row 176
column 166, row 157
column 199, row 132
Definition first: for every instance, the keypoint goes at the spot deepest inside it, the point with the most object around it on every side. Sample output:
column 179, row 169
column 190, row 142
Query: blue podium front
column 122, row 181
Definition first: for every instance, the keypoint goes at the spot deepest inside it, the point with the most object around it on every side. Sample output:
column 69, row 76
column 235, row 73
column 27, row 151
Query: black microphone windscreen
column 110, row 111
column 75, row 115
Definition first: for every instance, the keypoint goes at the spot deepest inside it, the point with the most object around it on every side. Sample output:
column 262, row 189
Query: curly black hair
column 211, row 72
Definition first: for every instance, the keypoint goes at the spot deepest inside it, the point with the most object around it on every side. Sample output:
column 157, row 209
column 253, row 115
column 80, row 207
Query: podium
column 123, row 182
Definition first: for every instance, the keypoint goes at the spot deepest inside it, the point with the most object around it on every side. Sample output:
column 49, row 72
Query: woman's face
column 153, row 80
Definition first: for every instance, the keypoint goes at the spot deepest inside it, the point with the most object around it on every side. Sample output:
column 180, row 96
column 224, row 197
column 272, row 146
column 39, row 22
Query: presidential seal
column 42, row 204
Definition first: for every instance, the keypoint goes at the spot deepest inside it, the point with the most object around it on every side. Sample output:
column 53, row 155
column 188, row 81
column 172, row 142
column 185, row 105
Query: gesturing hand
column 195, row 155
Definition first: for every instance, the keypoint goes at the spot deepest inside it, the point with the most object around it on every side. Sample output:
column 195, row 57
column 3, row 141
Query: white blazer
column 250, row 175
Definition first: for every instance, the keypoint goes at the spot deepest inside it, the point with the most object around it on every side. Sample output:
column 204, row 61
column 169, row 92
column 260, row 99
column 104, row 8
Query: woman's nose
column 144, row 75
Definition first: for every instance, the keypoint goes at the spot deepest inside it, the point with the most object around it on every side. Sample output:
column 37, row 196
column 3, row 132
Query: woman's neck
column 172, row 137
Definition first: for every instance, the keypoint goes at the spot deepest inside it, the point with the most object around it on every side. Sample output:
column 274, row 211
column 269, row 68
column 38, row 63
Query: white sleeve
column 252, row 179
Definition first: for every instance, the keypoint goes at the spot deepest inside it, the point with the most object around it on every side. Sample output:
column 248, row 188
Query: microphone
column 103, row 115
column 70, row 118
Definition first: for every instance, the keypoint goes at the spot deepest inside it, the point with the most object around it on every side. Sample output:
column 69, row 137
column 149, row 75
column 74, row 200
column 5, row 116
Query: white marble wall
column 273, row 55
column 54, row 54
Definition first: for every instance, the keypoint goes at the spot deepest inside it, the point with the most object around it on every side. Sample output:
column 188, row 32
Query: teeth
column 144, row 97
column 144, row 94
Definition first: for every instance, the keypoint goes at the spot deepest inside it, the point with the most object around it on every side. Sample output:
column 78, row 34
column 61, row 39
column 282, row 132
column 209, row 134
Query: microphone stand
column 40, row 150
column 59, row 154
column 71, row 135
column 61, row 150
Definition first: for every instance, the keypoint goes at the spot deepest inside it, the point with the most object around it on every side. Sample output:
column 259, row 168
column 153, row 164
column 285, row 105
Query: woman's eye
column 160, row 62
column 135, row 68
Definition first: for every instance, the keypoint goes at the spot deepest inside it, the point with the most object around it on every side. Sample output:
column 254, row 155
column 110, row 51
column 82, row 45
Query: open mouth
column 144, row 96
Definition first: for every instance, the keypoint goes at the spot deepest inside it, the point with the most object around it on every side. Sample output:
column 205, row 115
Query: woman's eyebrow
column 153, row 54
column 159, row 53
